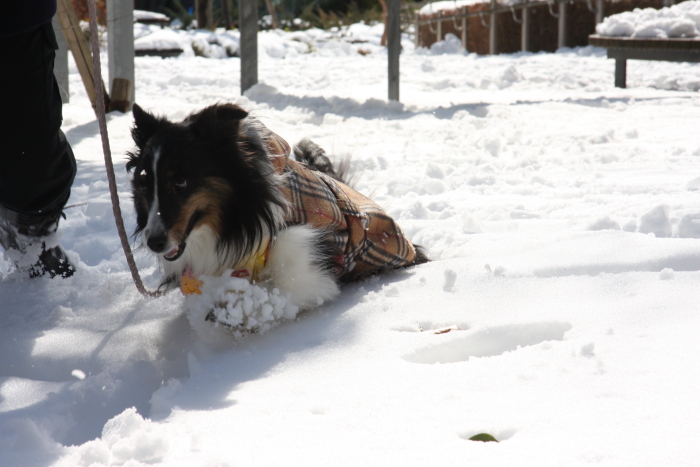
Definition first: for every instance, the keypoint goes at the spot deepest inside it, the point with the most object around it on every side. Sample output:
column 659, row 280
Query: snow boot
column 24, row 238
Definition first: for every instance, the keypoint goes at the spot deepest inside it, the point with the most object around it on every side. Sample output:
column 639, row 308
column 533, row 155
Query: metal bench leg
column 620, row 73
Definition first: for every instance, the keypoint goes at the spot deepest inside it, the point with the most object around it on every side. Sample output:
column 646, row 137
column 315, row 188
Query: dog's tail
column 309, row 153
column 421, row 257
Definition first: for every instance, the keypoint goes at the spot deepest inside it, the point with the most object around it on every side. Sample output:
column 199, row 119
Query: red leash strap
column 100, row 111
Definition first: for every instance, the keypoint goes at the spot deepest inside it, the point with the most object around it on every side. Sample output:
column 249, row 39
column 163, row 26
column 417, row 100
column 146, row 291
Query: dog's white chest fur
column 292, row 265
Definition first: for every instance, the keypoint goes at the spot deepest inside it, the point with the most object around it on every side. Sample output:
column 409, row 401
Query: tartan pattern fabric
column 368, row 239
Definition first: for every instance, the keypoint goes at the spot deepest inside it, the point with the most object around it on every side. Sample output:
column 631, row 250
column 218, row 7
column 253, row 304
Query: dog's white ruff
column 293, row 267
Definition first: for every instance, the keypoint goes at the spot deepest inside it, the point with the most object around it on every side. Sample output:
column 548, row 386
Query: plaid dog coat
column 368, row 238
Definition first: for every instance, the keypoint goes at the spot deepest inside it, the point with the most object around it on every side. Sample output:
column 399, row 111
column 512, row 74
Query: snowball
column 689, row 226
column 451, row 45
column 499, row 271
column 656, row 221
column 78, row 374
column 666, row 274
column 694, row 184
column 434, row 171
column 415, row 211
column 392, row 292
column 492, row 145
column 509, row 76
column 450, row 279
column 470, row 225
column 61, row 313
column 631, row 226
column 434, row 187
column 587, row 350
column 604, row 223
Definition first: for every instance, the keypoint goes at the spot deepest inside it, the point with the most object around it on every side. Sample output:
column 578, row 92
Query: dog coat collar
column 249, row 269
column 278, row 151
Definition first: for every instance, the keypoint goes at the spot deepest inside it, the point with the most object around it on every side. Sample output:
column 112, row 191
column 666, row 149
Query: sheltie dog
column 218, row 192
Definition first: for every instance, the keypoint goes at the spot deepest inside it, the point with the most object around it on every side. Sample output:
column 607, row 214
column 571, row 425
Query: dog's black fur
column 200, row 149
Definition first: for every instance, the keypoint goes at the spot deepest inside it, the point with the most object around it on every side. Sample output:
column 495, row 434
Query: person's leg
column 37, row 166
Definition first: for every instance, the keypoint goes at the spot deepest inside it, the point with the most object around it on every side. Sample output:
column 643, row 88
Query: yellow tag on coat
column 189, row 284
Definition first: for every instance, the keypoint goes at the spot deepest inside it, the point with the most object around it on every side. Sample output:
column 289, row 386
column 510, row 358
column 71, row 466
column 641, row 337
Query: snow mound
column 127, row 438
column 237, row 306
column 164, row 39
column 682, row 20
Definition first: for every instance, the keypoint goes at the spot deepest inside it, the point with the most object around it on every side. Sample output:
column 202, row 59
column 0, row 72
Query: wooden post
column 226, row 13
column 525, row 30
column 464, row 29
column 248, row 26
column 78, row 45
column 120, row 48
column 121, row 95
column 273, row 14
column 416, row 37
column 493, row 37
column 620, row 73
column 439, row 26
column 60, row 63
column 561, row 36
column 600, row 11
column 204, row 10
column 394, row 46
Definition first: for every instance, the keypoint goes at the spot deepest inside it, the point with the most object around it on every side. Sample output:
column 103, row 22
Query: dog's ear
column 220, row 120
column 145, row 125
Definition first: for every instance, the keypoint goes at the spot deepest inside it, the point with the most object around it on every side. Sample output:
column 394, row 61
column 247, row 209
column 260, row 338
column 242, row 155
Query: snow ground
column 562, row 216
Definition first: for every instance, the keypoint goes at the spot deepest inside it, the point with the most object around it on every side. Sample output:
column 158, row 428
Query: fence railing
column 461, row 14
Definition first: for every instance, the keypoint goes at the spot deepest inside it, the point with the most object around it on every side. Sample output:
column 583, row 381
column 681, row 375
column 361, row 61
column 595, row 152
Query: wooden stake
column 273, row 14
column 394, row 46
column 78, row 45
column 248, row 25
column 121, row 95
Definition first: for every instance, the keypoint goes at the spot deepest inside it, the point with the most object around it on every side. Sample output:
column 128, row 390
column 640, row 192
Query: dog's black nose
column 157, row 243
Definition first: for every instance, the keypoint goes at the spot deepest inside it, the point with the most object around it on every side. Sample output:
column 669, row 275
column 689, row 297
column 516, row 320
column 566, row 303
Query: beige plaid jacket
column 368, row 238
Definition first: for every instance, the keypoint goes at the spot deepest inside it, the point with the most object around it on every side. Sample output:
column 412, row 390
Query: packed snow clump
column 126, row 438
column 451, row 45
column 238, row 306
column 142, row 15
column 682, row 20
column 656, row 221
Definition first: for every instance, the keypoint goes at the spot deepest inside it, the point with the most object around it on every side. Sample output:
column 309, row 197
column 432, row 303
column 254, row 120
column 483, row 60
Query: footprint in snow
column 490, row 342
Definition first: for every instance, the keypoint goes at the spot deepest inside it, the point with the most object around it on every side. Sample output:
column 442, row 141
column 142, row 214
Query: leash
column 101, row 119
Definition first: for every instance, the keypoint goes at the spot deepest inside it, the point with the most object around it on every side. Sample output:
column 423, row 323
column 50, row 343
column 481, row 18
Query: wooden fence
column 491, row 28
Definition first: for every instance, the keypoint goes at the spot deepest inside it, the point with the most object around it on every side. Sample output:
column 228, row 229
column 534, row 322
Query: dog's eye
column 180, row 184
column 143, row 184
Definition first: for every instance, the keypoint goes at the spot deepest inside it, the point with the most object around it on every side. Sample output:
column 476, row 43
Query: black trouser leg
column 37, row 166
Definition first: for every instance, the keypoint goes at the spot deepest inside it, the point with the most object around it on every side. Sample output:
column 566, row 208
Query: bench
column 627, row 48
